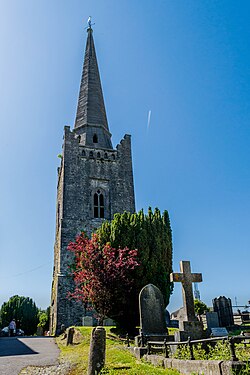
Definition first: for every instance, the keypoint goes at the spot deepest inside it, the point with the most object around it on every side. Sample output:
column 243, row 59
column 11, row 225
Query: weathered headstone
column 97, row 351
column 245, row 316
column 63, row 328
column 70, row 336
column 223, row 307
column 152, row 314
column 167, row 318
column 108, row 322
column 219, row 331
column 87, row 321
column 189, row 326
column 212, row 319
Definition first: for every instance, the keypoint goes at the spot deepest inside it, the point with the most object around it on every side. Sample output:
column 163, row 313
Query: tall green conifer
column 151, row 234
column 24, row 310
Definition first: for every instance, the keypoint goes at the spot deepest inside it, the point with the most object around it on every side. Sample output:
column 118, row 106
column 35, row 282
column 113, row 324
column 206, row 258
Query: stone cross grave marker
column 187, row 278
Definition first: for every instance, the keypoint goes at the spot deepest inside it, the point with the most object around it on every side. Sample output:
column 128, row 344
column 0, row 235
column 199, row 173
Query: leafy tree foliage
column 44, row 316
column 200, row 307
column 101, row 273
column 23, row 310
column 151, row 234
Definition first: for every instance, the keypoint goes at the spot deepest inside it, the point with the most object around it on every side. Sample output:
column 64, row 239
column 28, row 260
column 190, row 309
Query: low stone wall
column 199, row 367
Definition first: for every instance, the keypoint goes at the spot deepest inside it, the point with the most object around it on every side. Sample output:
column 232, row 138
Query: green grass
column 220, row 351
column 171, row 331
column 118, row 359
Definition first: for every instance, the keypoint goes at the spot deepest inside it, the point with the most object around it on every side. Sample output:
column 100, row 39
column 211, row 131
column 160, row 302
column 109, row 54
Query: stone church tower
column 95, row 181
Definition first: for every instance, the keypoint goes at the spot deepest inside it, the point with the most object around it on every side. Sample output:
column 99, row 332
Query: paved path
column 17, row 353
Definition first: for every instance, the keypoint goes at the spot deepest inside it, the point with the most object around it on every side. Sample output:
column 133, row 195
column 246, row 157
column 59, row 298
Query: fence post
column 127, row 338
column 244, row 342
column 190, row 348
column 166, row 349
column 142, row 340
column 232, row 349
column 149, row 347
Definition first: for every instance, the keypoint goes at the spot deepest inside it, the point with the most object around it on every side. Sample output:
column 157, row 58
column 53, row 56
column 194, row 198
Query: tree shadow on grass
column 122, row 368
column 13, row 347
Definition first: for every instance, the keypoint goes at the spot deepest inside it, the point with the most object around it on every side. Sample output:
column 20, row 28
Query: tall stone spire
column 91, row 120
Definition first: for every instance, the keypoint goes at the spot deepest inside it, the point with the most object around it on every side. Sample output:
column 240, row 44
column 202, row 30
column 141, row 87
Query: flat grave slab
column 219, row 332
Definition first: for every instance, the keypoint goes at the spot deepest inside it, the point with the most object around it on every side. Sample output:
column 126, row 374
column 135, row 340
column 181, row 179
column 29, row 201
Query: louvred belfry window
column 98, row 205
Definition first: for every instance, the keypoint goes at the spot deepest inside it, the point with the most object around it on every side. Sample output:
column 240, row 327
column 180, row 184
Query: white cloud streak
column 149, row 118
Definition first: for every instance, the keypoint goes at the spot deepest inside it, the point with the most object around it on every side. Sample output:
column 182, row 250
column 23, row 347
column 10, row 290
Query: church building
column 95, row 181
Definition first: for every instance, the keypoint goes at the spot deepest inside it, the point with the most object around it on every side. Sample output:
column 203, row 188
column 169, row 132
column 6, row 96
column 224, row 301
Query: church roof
column 91, row 108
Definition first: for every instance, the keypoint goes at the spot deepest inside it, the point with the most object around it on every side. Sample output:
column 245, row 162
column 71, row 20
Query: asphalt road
column 17, row 353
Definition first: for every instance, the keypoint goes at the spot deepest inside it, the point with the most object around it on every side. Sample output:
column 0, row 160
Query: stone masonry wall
column 85, row 169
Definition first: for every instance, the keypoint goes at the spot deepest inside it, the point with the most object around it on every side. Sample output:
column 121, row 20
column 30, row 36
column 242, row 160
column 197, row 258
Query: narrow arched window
column 98, row 205
column 106, row 155
column 58, row 216
column 98, row 155
column 95, row 138
column 83, row 153
column 91, row 155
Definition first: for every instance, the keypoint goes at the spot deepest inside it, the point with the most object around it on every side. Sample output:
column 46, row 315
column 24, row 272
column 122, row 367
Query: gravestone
column 212, row 319
column 189, row 326
column 70, row 336
column 245, row 316
column 167, row 318
column 87, row 321
column 219, row 332
column 108, row 322
column 223, row 307
column 97, row 351
column 63, row 328
column 152, row 315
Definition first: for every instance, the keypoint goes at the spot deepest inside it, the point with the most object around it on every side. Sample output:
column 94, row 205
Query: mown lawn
column 118, row 359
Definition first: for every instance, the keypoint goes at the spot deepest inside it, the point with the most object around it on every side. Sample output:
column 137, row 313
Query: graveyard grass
column 118, row 359
column 220, row 351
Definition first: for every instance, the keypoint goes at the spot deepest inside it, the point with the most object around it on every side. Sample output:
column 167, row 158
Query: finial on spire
column 89, row 23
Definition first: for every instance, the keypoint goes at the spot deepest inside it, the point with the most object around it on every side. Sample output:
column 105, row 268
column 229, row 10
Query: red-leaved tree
column 102, row 275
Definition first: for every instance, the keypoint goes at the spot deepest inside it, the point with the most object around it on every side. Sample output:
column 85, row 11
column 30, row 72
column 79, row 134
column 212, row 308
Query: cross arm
column 196, row 277
column 176, row 277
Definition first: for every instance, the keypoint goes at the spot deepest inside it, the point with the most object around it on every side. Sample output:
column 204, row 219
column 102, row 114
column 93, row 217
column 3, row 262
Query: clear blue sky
column 188, row 62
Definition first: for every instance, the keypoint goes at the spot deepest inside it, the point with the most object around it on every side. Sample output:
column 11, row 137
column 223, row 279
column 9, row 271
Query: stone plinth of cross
column 187, row 278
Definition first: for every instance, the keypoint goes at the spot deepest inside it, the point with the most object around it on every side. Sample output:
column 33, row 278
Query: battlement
column 124, row 143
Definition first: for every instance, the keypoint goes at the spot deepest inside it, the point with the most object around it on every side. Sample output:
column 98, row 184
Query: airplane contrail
column 149, row 117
